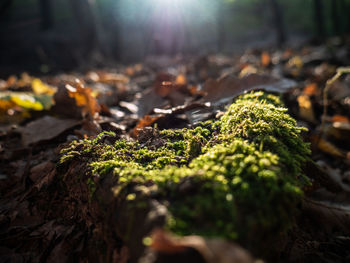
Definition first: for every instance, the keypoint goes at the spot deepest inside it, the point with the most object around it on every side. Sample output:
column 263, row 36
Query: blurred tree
column 222, row 12
column 278, row 21
column 5, row 6
column 319, row 18
column 45, row 7
column 335, row 17
column 83, row 13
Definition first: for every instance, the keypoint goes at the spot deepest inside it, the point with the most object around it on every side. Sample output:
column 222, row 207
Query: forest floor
column 40, row 116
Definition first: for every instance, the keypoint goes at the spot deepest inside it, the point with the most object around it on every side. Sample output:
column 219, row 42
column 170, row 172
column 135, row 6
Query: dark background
column 49, row 35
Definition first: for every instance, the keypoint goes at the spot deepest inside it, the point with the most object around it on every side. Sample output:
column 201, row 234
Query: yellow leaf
column 305, row 108
column 41, row 88
column 26, row 101
column 296, row 62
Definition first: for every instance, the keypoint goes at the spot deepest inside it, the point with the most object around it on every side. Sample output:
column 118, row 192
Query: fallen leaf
column 89, row 128
column 265, row 59
column 26, row 100
column 40, row 87
column 311, row 89
column 224, row 89
column 334, row 176
column 340, row 118
column 83, row 98
column 212, row 250
column 329, row 215
column 247, row 70
column 340, row 131
column 146, row 121
column 305, row 108
column 111, row 78
column 328, row 147
column 45, row 128
column 148, row 101
column 163, row 84
column 5, row 105
column 11, row 81
column 181, row 80
column 296, row 62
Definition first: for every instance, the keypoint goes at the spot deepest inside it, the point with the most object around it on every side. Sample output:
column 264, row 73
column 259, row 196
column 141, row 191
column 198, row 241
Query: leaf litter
column 39, row 116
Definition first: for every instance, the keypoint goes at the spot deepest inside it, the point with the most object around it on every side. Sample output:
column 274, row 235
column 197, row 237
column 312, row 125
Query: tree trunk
column 46, row 14
column 82, row 11
column 335, row 17
column 318, row 18
column 278, row 22
column 221, row 37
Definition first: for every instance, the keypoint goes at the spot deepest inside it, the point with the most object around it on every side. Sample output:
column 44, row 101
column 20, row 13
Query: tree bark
column 278, row 22
column 47, row 21
column 84, row 15
column 335, row 17
column 318, row 18
column 221, row 37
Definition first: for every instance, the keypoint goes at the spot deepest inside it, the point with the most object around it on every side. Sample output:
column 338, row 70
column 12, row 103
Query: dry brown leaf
column 181, row 80
column 148, row 101
column 106, row 77
column 146, row 121
column 45, row 128
column 327, row 147
column 212, row 250
column 11, row 81
column 83, row 98
column 265, row 59
column 5, row 105
column 247, row 70
column 305, row 108
column 228, row 87
column 41, row 170
column 311, row 89
column 163, row 84
column 329, row 215
column 340, row 118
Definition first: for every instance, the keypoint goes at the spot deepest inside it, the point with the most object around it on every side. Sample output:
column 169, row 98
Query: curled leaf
column 83, row 98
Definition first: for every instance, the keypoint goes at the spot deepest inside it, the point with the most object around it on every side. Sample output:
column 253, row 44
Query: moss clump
column 240, row 178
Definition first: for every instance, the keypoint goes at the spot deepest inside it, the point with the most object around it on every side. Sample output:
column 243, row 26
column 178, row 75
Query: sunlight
column 174, row 3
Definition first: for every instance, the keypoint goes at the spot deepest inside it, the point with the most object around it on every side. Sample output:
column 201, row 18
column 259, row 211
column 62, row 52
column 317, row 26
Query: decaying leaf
column 328, row 147
column 107, row 77
column 340, row 118
column 83, row 98
column 305, row 108
column 329, row 215
column 45, row 128
column 212, row 250
column 146, row 121
column 311, row 89
column 40, row 87
column 265, row 59
column 228, row 87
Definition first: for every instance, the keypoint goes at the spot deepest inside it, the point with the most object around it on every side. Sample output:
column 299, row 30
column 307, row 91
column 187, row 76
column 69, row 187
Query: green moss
column 238, row 178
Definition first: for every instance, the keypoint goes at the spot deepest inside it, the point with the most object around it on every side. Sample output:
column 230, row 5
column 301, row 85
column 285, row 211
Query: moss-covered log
column 238, row 177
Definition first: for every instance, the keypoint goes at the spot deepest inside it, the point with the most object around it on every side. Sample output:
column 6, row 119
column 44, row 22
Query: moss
column 239, row 177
